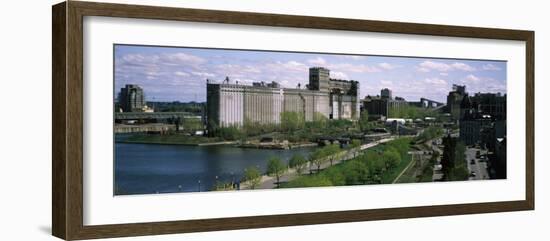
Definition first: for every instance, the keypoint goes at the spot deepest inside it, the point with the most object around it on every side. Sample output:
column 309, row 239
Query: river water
column 151, row 168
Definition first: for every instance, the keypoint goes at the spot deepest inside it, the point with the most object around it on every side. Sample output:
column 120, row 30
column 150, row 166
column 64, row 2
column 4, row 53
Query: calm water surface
column 151, row 168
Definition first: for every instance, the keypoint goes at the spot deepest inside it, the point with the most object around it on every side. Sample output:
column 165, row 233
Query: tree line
column 371, row 167
column 453, row 160
column 292, row 126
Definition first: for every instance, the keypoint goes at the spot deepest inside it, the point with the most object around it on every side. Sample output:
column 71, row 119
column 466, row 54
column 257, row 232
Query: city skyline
column 179, row 74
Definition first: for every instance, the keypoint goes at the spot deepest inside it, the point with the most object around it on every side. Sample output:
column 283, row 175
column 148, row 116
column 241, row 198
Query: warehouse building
column 233, row 104
column 384, row 105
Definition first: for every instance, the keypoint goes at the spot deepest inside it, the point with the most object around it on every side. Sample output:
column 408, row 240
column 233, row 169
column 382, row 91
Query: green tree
column 460, row 170
column 459, row 174
column 364, row 124
column 355, row 143
column 317, row 158
column 291, row 121
column 356, row 172
column 376, row 168
column 449, row 155
column 454, row 160
column 335, row 175
column 223, row 186
column 276, row 168
column 429, row 133
column 253, row 176
column 298, row 162
column 320, row 121
column 331, row 151
column 391, row 159
column 230, row 133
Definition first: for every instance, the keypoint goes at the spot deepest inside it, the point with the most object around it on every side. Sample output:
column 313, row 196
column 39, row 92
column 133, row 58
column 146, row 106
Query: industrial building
column 493, row 104
column 386, row 94
column 454, row 99
column 233, row 104
column 384, row 105
column 131, row 99
column 482, row 119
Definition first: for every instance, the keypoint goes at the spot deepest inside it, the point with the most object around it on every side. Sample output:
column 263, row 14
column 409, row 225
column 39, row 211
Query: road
column 437, row 174
column 478, row 166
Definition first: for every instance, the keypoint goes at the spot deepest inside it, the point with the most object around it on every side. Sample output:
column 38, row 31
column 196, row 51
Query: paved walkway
column 268, row 182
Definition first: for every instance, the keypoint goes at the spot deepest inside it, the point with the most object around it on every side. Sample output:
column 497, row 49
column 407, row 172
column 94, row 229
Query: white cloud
column 435, row 81
column 133, row 58
column 317, row 61
column 180, row 58
column 152, row 73
column 152, row 70
column 280, row 67
column 484, row 84
column 252, row 69
column 286, row 73
column 462, row 66
column 354, row 57
column 472, row 77
column 422, row 69
column 294, row 64
column 491, row 67
column 386, row 83
column 181, row 73
column 202, row 74
column 428, row 65
column 235, row 69
column 338, row 75
column 158, row 60
column 387, row 66
column 356, row 68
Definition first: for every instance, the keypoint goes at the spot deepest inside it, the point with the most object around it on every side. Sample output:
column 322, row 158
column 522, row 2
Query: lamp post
column 233, row 180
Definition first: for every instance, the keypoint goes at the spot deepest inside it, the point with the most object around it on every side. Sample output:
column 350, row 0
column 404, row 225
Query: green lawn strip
column 389, row 176
column 408, row 176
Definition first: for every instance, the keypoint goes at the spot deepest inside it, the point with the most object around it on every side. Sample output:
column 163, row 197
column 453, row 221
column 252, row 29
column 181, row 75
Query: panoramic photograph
column 190, row 119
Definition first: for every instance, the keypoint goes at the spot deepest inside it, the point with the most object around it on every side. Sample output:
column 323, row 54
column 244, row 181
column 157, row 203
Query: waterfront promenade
column 268, row 182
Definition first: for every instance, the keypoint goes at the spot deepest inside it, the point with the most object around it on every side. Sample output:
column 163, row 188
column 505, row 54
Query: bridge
column 162, row 117
column 129, row 122
column 328, row 139
column 427, row 103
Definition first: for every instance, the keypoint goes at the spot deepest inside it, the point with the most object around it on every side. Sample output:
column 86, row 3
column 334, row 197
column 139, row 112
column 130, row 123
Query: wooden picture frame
column 67, row 124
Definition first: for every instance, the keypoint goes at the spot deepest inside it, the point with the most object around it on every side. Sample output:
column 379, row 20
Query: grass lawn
column 389, row 176
column 409, row 176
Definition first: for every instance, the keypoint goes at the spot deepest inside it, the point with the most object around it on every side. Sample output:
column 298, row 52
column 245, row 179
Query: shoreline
column 220, row 143
column 272, row 146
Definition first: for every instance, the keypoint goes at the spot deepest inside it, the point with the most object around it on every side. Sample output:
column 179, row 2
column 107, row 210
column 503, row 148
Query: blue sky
column 179, row 74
